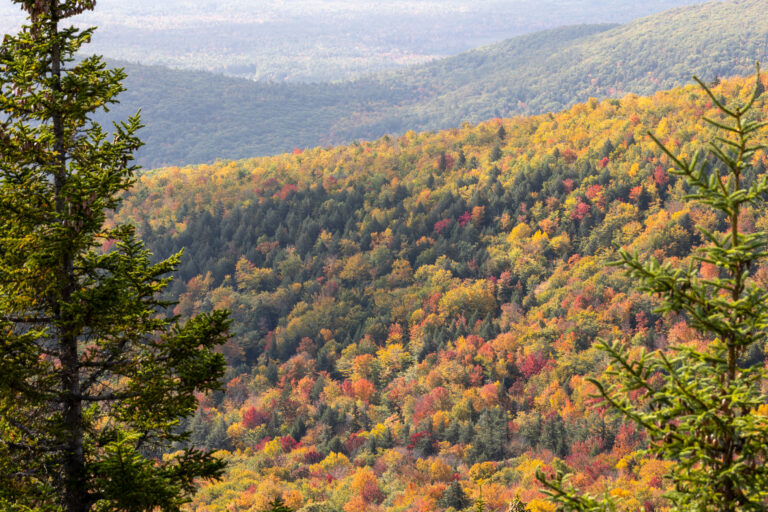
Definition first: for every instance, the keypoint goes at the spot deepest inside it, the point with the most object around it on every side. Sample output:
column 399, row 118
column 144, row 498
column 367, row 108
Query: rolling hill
column 197, row 117
column 415, row 317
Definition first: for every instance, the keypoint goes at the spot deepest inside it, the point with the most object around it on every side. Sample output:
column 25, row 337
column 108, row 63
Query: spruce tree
column 496, row 153
column 703, row 408
column 489, row 442
column 454, row 497
column 95, row 375
column 277, row 505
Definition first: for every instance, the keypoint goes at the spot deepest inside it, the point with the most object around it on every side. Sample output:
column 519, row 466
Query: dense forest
column 414, row 317
column 199, row 117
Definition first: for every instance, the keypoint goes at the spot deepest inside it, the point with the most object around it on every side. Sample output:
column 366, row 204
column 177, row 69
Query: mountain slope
column 196, row 117
column 523, row 76
column 415, row 317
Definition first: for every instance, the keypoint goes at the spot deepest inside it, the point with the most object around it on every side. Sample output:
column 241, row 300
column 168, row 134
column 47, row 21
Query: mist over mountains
column 323, row 40
column 196, row 117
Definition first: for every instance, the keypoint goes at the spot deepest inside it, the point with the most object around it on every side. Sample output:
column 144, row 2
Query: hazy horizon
column 319, row 40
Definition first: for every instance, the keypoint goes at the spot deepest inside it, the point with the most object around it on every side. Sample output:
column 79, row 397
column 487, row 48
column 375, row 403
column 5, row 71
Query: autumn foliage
column 409, row 308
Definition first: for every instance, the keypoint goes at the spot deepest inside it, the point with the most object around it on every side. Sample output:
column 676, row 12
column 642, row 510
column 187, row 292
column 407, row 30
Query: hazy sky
column 186, row 13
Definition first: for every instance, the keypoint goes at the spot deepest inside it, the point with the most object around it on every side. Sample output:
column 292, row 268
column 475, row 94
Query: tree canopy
column 406, row 303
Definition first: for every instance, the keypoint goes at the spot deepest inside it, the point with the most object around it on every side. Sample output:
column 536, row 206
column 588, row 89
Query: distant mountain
column 199, row 117
column 322, row 40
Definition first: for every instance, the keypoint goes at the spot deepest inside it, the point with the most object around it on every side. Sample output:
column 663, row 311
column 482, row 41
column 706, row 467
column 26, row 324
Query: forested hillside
column 415, row 316
column 198, row 117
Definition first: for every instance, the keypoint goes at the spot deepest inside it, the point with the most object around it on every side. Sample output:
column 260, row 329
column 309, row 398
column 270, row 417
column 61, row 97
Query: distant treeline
column 198, row 117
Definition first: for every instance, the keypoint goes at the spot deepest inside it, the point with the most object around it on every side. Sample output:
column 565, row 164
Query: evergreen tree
column 273, row 372
column 452, row 433
column 606, row 149
column 467, row 433
column 490, row 435
column 703, row 411
column 298, row 429
column 94, row 376
column 454, row 496
column 554, row 436
column 496, row 153
column 277, row 505
column 334, row 446
column 387, row 440
column 198, row 428
column 442, row 164
column 217, row 438
column 462, row 160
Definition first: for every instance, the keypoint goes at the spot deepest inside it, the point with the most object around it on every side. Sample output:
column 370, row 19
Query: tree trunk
column 75, row 487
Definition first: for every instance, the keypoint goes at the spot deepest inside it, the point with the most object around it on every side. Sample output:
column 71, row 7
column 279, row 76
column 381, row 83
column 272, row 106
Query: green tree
column 496, row 153
column 490, row 435
column 94, row 375
column 277, row 505
column 454, row 497
column 701, row 406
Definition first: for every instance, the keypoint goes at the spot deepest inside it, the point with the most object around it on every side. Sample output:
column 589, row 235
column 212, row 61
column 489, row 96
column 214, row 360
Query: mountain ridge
column 194, row 117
